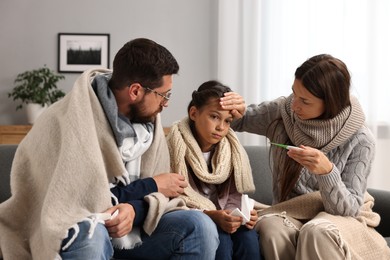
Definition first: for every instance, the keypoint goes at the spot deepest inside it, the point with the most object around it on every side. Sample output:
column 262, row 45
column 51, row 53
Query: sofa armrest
column 382, row 207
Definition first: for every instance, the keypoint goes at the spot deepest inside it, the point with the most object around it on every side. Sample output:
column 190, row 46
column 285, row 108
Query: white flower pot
column 34, row 111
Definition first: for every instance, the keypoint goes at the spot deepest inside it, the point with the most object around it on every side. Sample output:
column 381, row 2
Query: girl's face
column 305, row 105
column 211, row 122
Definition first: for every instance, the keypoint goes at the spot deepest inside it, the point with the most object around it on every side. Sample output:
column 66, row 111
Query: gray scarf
column 121, row 126
column 132, row 139
column 322, row 134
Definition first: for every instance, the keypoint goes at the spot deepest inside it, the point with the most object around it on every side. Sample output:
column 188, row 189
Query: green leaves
column 37, row 86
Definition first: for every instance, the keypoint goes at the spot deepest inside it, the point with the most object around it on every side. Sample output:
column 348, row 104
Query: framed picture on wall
column 78, row 52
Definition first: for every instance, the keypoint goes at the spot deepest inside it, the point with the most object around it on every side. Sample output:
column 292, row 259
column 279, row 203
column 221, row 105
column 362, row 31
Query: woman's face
column 305, row 105
column 212, row 123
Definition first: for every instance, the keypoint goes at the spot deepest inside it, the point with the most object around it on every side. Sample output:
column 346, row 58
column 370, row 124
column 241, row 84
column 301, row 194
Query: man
column 91, row 177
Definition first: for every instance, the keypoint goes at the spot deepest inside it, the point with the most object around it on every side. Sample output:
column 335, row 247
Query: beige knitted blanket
column 61, row 171
column 229, row 158
column 361, row 239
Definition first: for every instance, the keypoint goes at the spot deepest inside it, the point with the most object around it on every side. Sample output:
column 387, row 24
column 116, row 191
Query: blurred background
column 253, row 46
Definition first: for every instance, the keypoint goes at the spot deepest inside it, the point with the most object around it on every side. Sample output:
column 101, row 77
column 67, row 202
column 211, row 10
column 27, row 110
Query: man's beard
column 137, row 114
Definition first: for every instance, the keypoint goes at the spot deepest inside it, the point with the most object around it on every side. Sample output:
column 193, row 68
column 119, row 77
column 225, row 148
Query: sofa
column 258, row 156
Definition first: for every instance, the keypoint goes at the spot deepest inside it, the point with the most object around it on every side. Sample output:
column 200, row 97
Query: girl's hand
column 226, row 222
column 233, row 102
column 312, row 159
column 251, row 223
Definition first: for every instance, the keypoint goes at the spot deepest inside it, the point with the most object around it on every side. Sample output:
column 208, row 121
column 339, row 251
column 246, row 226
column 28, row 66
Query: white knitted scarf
column 229, row 157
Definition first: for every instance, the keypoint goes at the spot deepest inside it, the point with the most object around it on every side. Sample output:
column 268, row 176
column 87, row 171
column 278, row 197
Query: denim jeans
column 242, row 244
column 183, row 234
column 82, row 248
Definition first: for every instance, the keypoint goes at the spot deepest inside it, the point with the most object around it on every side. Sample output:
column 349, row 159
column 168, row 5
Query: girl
column 208, row 154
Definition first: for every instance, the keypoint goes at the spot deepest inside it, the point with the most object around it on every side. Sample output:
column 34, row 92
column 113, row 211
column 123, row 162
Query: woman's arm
column 344, row 187
column 341, row 174
column 258, row 117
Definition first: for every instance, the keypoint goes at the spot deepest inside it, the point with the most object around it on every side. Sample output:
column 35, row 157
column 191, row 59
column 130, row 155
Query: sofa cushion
column 7, row 153
column 261, row 170
column 382, row 207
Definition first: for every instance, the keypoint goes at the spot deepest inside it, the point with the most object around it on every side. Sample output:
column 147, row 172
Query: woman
column 208, row 154
column 333, row 218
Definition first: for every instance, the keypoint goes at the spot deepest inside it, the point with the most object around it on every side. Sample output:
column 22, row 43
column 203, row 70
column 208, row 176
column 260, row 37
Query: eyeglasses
column 165, row 97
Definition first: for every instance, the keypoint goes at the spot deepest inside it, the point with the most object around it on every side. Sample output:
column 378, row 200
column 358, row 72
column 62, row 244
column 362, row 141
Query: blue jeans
column 242, row 244
column 98, row 247
column 183, row 234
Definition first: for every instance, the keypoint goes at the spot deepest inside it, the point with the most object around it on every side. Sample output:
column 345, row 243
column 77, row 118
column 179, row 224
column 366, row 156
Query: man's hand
column 121, row 224
column 170, row 184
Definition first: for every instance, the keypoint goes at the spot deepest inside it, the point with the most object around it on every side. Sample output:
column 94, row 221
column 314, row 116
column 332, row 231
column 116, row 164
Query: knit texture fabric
column 229, row 158
column 339, row 196
column 362, row 241
column 352, row 159
column 61, row 171
column 322, row 134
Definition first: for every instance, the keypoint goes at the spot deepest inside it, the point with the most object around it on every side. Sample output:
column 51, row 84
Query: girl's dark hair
column 326, row 78
column 208, row 90
column 142, row 61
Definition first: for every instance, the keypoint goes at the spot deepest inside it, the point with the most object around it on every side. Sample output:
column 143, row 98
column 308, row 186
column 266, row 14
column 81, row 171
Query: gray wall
column 29, row 28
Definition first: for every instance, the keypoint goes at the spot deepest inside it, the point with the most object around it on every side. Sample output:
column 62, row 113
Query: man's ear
column 135, row 92
column 193, row 113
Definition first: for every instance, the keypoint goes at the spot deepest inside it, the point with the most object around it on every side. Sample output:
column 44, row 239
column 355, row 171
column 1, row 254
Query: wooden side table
column 166, row 130
column 13, row 134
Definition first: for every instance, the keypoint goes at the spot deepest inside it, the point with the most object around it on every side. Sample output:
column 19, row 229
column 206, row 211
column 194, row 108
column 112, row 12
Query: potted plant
column 37, row 89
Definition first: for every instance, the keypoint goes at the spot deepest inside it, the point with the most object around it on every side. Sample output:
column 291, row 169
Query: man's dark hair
column 142, row 61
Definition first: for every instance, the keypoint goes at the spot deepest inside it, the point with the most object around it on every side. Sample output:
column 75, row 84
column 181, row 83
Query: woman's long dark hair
column 326, row 78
